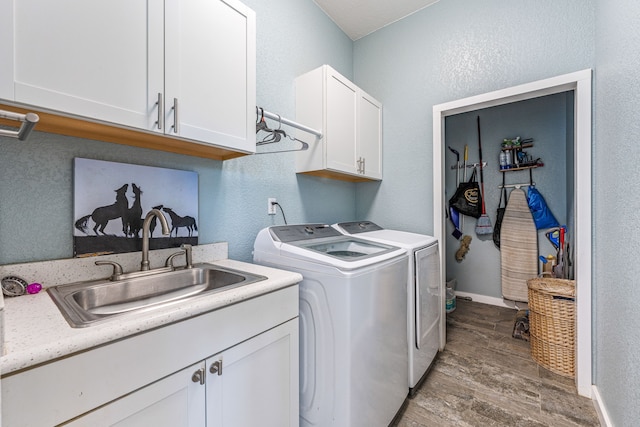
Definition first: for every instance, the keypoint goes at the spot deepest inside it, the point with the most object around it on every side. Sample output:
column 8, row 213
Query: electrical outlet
column 271, row 208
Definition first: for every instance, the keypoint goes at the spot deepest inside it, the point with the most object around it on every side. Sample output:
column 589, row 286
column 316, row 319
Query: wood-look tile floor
column 484, row 377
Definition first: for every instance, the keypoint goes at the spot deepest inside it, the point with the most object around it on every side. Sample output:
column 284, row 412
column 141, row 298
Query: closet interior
column 525, row 144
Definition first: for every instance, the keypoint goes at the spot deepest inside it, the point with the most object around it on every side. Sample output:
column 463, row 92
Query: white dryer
column 353, row 362
column 426, row 322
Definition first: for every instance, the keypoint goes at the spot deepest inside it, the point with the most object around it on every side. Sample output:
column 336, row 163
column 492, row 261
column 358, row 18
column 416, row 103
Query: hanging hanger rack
column 288, row 122
column 275, row 135
column 28, row 120
column 525, row 184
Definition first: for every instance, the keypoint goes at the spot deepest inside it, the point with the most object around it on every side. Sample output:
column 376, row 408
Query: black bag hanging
column 500, row 215
column 467, row 199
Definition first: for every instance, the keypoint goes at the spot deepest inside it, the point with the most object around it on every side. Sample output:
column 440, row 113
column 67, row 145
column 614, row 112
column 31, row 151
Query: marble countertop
column 36, row 332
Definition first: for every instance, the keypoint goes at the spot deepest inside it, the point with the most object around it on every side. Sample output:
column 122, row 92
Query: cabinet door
column 256, row 382
column 369, row 136
column 99, row 59
column 340, row 134
column 175, row 401
column 210, row 72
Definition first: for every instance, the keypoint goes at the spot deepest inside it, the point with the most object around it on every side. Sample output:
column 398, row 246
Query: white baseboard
column 500, row 302
column 603, row 415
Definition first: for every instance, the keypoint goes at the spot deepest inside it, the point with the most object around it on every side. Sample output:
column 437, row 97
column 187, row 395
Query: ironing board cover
column 518, row 247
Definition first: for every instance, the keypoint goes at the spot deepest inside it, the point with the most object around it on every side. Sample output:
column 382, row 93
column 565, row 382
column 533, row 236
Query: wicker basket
column 552, row 323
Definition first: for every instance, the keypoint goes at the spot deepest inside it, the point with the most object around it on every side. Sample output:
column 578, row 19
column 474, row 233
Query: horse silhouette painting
column 134, row 218
column 181, row 221
column 102, row 215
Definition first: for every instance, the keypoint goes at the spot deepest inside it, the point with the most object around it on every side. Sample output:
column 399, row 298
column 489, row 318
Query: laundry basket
column 552, row 323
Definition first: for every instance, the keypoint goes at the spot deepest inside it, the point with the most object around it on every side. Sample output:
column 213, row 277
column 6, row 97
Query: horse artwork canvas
column 111, row 200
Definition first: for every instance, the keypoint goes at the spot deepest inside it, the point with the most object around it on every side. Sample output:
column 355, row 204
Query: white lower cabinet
column 253, row 383
column 175, row 401
column 235, row 367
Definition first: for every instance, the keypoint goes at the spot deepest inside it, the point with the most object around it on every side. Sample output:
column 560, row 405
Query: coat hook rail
column 291, row 123
column 524, row 184
column 469, row 165
column 28, row 120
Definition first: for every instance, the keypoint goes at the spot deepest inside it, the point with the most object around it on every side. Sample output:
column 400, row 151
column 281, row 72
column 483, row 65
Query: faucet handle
column 117, row 269
column 169, row 261
column 187, row 249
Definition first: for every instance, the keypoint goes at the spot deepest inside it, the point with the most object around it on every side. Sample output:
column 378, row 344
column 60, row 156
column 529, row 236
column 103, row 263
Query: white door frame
column 580, row 83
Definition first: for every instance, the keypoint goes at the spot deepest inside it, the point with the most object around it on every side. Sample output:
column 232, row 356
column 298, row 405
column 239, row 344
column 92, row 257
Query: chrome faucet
column 144, row 265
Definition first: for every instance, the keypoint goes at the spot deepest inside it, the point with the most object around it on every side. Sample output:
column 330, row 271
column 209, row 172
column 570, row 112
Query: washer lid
column 356, row 227
column 370, row 231
column 346, row 248
column 322, row 245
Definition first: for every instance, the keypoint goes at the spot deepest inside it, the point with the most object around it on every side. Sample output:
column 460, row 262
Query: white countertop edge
column 36, row 332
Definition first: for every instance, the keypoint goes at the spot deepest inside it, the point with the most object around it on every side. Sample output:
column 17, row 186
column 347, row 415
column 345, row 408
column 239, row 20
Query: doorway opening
column 579, row 84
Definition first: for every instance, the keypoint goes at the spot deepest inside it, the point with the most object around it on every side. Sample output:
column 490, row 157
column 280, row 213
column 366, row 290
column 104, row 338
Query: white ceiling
column 358, row 18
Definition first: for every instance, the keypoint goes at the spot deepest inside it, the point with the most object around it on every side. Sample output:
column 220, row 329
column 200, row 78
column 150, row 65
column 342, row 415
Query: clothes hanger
column 261, row 123
column 304, row 147
column 275, row 135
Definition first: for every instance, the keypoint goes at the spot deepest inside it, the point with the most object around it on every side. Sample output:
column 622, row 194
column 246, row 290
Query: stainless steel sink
column 87, row 303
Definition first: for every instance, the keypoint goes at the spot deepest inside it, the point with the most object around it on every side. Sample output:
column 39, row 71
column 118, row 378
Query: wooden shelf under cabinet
column 65, row 125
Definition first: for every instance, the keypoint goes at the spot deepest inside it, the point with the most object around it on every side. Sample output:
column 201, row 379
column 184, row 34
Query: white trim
column 603, row 415
column 580, row 83
column 484, row 299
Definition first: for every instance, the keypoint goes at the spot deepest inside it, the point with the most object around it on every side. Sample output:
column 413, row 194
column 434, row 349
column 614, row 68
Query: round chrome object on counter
column 14, row 286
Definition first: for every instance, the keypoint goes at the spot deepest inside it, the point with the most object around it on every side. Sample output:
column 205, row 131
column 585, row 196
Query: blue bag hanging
column 541, row 213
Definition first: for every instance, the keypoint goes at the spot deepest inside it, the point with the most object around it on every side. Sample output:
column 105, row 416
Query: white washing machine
column 426, row 322
column 353, row 339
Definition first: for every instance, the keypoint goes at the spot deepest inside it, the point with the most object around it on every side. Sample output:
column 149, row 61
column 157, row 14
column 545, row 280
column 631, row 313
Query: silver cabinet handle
column 216, row 367
column 160, row 105
column 198, row 376
column 363, row 165
column 176, row 120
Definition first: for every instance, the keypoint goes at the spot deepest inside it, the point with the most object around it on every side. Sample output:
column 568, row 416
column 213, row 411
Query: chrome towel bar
column 28, row 120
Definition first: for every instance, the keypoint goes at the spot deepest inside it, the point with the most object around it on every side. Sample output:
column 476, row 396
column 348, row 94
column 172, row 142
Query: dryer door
column 428, row 298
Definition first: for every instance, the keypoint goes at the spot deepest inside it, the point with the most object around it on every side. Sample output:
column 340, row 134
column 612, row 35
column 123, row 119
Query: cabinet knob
column 198, row 376
column 216, row 367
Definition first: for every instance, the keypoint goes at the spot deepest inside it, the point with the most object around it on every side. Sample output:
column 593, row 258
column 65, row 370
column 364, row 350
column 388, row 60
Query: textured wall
column 451, row 50
column 293, row 37
column 617, row 209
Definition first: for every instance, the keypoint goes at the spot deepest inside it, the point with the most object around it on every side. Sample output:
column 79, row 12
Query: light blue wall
column 293, row 37
column 617, row 209
column 451, row 50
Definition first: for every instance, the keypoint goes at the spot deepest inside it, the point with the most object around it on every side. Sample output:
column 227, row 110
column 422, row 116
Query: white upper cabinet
column 210, row 48
column 369, row 136
column 184, row 68
column 351, row 122
column 98, row 59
